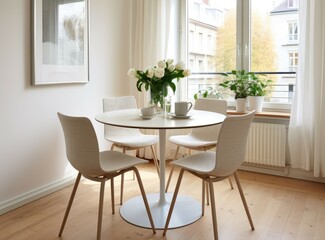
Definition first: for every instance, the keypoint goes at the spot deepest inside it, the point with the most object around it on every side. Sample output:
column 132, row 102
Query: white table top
column 131, row 118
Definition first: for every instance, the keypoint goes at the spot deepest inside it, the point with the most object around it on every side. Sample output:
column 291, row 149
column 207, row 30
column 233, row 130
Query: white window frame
column 292, row 34
column 243, row 49
column 293, row 60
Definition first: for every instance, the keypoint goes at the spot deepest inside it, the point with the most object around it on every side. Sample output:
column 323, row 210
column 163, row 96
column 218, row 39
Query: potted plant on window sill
column 239, row 86
column 208, row 92
column 258, row 85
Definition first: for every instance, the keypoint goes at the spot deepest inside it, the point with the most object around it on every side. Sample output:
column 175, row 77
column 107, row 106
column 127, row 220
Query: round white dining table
column 187, row 210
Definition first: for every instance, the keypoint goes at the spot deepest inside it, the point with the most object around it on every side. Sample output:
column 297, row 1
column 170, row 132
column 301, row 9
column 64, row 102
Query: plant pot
column 240, row 104
column 255, row 103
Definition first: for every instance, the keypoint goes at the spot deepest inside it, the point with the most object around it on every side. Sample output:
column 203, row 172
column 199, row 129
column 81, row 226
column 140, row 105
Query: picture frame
column 60, row 41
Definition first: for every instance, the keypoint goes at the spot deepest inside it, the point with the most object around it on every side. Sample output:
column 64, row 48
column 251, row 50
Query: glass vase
column 157, row 99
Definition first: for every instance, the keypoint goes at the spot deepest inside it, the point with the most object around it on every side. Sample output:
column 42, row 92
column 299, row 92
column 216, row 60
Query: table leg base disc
column 186, row 211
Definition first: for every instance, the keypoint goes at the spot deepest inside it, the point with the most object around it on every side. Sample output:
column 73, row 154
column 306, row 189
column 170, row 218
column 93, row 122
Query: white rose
column 150, row 72
column 180, row 66
column 132, row 73
column 187, row 72
column 162, row 64
column 170, row 61
column 159, row 72
column 171, row 67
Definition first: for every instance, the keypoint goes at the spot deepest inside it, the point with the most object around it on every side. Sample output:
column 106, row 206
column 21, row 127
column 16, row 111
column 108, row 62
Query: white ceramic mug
column 182, row 108
column 147, row 111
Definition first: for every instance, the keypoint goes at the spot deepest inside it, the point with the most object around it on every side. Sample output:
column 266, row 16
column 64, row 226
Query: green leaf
column 172, row 86
column 139, row 84
column 205, row 94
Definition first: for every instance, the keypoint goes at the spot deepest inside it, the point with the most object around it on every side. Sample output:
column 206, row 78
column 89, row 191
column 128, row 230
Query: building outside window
column 293, row 31
column 258, row 41
column 292, row 3
column 293, row 61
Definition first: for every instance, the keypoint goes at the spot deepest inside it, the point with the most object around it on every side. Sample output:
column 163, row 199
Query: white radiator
column 266, row 144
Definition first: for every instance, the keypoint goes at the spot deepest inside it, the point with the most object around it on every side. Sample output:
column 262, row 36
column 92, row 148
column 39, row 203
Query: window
column 292, row 3
column 293, row 61
column 201, row 65
column 293, row 31
column 200, row 45
column 247, row 34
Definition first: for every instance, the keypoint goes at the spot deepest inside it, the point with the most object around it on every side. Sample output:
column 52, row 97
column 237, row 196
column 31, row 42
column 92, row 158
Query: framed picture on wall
column 60, row 41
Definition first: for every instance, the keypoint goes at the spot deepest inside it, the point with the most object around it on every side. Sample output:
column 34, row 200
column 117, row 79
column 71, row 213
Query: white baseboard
column 283, row 171
column 35, row 194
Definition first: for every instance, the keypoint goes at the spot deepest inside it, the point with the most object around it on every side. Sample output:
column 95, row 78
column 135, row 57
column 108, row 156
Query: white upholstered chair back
column 212, row 105
column 81, row 144
column 232, row 142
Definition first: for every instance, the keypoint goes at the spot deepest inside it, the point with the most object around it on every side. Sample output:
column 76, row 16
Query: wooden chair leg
column 169, row 177
column 244, row 201
column 133, row 174
column 67, row 211
column 112, row 196
column 122, row 187
column 155, row 160
column 213, row 211
column 172, row 204
column 208, row 198
column 203, row 197
column 171, row 170
column 100, row 209
column 230, row 182
column 145, row 199
column 122, row 183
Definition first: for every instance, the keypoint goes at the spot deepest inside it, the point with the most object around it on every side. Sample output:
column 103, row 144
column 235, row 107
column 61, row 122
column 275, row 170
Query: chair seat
column 203, row 162
column 113, row 161
column 191, row 141
column 138, row 140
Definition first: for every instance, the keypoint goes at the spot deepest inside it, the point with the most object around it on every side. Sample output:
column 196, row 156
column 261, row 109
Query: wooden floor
column 281, row 208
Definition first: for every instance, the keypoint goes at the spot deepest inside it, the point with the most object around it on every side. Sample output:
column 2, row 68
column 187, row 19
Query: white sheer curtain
column 154, row 36
column 307, row 122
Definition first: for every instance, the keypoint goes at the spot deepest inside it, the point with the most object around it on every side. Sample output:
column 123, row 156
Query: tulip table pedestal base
column 186, row 211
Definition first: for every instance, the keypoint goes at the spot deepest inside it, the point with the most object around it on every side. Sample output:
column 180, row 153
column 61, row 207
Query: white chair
column 127, row 138
column 201, row 139
column 83, row 154
column 219, row 165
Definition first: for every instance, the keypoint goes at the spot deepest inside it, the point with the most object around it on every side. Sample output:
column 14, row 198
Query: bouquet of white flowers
column 159, row 78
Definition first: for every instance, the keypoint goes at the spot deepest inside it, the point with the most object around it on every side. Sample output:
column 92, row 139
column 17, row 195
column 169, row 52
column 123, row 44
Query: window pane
column 274, row 44
column 212, row 41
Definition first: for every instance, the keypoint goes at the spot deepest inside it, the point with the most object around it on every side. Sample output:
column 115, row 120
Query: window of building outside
column 293, row 3
column 293, row 31
column 293, row 61
column 259, row 36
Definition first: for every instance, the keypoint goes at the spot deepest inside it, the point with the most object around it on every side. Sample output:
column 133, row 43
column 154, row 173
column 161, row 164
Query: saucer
column 145, row 117
column 180, row 117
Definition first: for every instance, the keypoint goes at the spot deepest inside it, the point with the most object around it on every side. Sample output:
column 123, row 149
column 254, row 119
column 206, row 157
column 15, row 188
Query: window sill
column 263, row 114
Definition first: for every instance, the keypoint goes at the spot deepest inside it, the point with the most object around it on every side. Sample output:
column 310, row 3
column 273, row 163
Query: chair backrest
column 81, row 144
column 118, row 103
column 212, row 105
column 232, row 142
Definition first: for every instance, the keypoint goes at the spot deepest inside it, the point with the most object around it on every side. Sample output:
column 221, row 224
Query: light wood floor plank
column 281, row 208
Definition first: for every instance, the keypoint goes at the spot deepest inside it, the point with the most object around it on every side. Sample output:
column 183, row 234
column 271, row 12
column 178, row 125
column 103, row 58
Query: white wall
column 32, row 153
